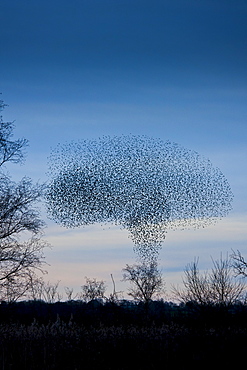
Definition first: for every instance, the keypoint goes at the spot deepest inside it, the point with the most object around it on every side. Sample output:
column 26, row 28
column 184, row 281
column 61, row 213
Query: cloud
column 92, row 237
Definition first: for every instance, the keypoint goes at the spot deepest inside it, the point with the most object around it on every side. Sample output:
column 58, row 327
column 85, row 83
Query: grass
column 132, row 340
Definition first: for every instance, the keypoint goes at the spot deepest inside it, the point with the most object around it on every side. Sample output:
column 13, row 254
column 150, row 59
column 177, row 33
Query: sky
column 174, row 70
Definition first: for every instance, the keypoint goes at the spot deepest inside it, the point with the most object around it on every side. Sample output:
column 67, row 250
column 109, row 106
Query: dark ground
column 75, row 335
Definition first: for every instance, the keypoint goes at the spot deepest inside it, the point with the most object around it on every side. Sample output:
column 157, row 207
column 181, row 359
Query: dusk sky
column 174, row 70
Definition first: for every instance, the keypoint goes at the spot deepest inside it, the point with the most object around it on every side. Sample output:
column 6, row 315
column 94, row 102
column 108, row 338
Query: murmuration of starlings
column 143, row 184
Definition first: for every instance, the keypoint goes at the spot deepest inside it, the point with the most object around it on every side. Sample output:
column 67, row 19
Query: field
column 75, row 335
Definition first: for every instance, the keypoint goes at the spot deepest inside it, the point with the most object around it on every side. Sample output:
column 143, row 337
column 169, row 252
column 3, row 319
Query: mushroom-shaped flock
column 145, row 185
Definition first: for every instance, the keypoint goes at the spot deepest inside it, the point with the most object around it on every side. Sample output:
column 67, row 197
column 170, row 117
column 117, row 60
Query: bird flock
column 143, row 184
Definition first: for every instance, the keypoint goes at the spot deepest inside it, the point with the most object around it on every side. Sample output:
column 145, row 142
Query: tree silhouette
column 143, row 184
column 146, row 281
column 19, row 218
column 216, row 287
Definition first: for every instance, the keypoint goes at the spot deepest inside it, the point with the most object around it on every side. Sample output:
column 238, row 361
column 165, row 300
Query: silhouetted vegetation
column 218, row 286
column 21, row 246
column 123, row 335
column 146, row 281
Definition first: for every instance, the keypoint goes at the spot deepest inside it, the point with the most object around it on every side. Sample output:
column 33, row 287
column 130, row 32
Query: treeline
column 97, row 312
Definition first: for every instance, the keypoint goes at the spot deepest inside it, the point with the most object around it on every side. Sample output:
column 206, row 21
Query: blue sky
column 174, row 70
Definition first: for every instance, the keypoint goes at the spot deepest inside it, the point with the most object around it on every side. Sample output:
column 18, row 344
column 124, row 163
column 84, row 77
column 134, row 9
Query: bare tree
column 146, row 281
column 17, row 211
column 21, row 247
column 196, row 285
column 17, row 286
column 217, row 287
column 93, row 289
column 18, row 261
column 226, row 289
column 239, row 264
column 10, row 150
column 50, row 292
column 70, row 293
column 45, row 291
